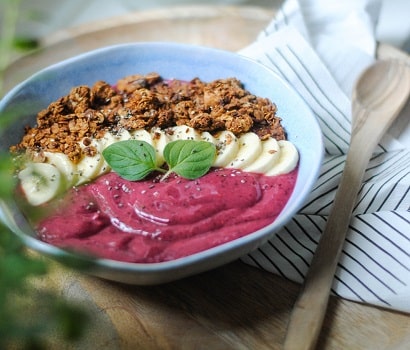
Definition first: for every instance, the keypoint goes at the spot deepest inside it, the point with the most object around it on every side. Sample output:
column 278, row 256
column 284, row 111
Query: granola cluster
column 143, row 102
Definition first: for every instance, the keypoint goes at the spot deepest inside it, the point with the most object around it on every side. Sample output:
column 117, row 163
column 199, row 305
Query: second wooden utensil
column 379, row 95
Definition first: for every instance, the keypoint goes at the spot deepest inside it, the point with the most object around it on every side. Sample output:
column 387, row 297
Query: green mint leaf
column 25, row 43
column 131, row 159
column 188, row 158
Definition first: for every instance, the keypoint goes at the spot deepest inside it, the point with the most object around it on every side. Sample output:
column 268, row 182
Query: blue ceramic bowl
column 171, row 61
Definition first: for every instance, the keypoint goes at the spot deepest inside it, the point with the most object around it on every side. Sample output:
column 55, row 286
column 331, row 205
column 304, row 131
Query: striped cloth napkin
column 319, row 47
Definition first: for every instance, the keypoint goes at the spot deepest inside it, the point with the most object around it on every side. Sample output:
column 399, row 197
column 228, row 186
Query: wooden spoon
column 379, row 95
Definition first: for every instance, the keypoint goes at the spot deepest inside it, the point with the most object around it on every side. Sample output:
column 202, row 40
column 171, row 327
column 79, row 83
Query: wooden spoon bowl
column 379, row 95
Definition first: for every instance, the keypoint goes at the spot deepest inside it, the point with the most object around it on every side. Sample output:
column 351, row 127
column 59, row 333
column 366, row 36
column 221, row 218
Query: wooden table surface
column 233, row 307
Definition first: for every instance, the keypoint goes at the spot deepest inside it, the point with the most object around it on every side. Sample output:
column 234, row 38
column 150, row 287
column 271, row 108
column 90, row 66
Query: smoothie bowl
column 156, row 161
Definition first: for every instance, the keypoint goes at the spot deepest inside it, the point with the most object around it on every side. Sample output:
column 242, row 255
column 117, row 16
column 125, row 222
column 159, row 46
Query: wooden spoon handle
column 310, row 308
column 374, row 109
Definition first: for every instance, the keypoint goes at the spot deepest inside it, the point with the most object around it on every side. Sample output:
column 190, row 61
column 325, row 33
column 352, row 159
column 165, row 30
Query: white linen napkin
column 320, row 47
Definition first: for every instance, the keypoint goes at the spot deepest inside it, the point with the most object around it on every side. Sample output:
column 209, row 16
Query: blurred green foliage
column 28, row 315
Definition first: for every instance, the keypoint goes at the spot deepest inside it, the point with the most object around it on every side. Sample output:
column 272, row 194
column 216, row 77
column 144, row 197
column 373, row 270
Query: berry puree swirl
column 152, row 221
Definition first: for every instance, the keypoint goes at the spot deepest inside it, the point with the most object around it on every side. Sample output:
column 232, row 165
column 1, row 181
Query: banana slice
column 183, row 132
column 206, row 136
column 250, row 148
column 122, row 135
column 67, row 168
column 89, row 167
column 288, row 159
column 40, row 182
column 107, row 140
column 160, row 140
column 267, row 159
column 142, row 135
column 227, row 147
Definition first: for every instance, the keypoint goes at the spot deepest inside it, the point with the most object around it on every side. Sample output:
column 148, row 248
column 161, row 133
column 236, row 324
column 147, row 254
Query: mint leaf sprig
column 133, row 160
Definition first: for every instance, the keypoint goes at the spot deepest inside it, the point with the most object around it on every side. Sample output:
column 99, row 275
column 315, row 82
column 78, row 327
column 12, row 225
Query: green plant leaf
column 189, row 158
column 7, row 180
column 25, row 44
column 133, row 160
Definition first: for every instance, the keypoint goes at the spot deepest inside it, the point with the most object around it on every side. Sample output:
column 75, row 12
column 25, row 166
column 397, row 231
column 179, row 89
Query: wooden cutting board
column 232, row 307
column 224, row 27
